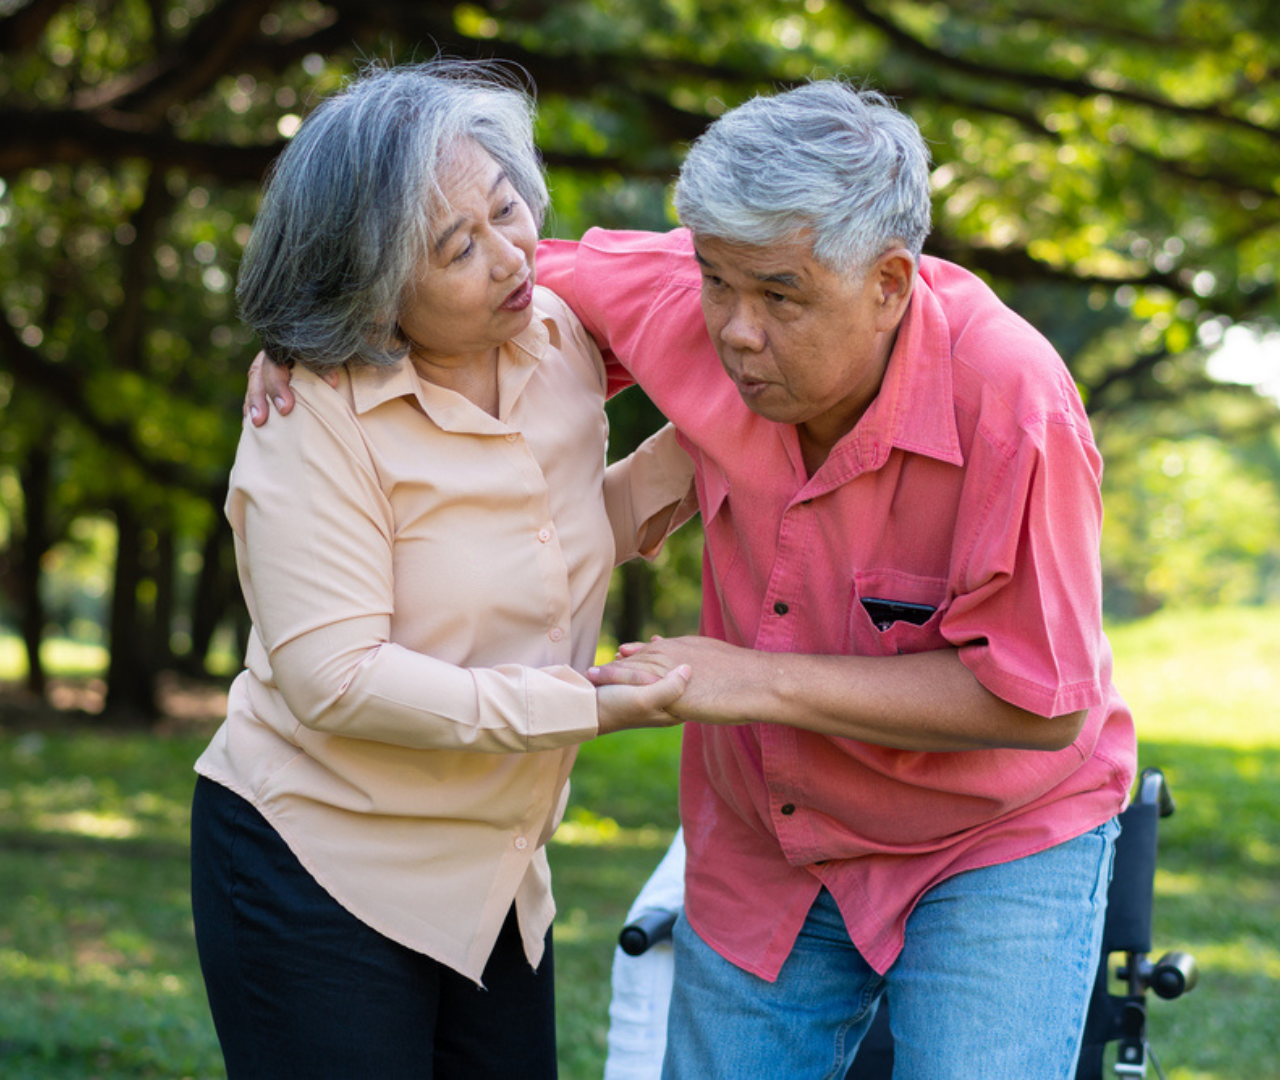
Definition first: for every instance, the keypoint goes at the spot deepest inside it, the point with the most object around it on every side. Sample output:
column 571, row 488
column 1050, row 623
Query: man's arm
column 922, row 701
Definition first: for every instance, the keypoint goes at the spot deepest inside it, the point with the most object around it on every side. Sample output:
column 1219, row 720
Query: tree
column 1110, row 167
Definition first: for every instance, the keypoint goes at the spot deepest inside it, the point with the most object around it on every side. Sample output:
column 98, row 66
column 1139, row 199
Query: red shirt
column 971, row 485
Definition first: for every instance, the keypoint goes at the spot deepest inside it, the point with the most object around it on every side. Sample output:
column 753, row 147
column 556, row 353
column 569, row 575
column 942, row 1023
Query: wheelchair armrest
column 1131, row 895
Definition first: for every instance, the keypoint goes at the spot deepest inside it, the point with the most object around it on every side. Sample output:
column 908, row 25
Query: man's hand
column 620, row 707
column 267, row 380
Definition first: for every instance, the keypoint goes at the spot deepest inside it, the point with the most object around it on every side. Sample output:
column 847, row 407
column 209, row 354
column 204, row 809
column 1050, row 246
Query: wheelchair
column 1112, row 1017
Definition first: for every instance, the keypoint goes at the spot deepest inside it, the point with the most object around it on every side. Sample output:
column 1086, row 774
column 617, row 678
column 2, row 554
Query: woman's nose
column 509, row 258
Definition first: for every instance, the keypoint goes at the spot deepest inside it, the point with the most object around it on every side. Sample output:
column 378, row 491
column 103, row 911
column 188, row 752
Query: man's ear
column 895, row 277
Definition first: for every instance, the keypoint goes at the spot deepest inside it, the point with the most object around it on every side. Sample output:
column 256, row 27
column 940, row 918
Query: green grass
column 97, row 967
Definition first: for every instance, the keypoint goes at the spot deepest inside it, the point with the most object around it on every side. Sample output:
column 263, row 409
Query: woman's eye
column 464, row 253
column 507, row 210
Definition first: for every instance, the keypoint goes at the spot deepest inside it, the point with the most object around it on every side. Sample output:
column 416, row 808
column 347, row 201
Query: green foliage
column 1109, row 167
column 1190, row 522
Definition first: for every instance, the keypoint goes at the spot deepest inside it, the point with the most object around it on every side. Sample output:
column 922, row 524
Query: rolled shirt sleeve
column 1029, row 622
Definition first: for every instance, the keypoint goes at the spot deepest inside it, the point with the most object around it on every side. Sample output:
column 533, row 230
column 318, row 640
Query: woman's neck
column 475, row 377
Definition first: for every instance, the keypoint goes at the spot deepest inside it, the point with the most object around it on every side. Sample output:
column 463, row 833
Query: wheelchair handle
column 1154, row 790
column 648, row 928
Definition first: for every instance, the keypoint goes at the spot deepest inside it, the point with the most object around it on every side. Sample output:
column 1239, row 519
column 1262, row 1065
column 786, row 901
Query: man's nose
column 742, row 330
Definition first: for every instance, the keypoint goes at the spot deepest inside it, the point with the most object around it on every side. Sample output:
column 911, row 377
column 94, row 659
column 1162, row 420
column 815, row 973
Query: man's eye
column 775, row 297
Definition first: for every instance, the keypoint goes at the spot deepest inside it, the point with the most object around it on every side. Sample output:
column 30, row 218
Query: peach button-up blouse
column 426, row 584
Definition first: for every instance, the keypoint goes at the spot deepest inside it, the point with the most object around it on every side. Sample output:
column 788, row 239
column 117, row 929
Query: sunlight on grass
column 85, row 823
column 82, row 973
column 1203, row 676
column 1245, row 957
column 1171, row 884
column 573, row 927
column 83, row 806
column 582, row 828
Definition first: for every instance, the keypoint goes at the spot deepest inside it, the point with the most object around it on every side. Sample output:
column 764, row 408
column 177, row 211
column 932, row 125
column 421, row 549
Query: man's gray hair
column 345, row 224
column 827, row 157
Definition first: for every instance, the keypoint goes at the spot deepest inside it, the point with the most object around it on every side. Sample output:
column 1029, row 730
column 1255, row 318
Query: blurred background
column 1111, row 168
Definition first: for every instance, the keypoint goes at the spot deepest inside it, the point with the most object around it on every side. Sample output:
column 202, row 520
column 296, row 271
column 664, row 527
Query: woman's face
column 476, row 289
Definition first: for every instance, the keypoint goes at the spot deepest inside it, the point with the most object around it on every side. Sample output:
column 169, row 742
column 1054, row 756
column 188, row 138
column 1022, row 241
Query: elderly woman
column 424, row 548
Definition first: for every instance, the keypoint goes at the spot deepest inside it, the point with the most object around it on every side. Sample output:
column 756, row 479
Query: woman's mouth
column 520, row 298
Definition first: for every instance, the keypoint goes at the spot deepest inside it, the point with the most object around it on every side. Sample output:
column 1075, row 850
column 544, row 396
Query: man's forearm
column 924, row 701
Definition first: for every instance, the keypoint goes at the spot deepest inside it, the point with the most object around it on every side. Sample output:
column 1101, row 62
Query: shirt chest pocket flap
column 892, row 612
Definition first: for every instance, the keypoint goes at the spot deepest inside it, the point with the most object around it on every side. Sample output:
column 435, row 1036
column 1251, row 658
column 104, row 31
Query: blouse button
column 555, row 633
column 521, row 843
column 512, row 436
column 788, row 808
column 544, row 535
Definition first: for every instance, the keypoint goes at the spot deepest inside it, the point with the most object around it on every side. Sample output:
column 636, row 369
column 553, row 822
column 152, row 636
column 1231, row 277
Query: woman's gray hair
column 827, row 157
column 345, row 223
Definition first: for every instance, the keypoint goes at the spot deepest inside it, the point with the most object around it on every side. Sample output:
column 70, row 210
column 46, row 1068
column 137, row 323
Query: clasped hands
column 717, row 677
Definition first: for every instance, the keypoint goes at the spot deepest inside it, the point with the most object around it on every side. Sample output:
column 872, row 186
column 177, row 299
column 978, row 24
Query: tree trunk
column 131, row 688
column 216, row 592
column 35, row 542
column 637, row 601
column 162, row 568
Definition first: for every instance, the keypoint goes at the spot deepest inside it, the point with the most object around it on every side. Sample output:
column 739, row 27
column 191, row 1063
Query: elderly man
column 911, row 753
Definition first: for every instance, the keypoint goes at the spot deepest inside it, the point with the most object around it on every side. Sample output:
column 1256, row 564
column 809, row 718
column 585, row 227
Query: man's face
column 803, row 344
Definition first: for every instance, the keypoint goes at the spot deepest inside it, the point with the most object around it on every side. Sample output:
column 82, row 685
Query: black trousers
column 298, row 986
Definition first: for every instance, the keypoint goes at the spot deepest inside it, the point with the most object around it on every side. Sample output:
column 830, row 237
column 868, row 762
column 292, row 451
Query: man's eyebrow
column 784, row 278
column 443, row 238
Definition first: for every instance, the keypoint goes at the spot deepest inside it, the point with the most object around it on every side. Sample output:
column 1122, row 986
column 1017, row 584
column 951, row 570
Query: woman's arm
column 649, row 494
column 314, row 538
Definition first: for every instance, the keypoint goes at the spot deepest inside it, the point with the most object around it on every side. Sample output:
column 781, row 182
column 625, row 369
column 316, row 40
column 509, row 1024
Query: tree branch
column 23, row 28
column 986, row 69
column 38, row 138
column 186, row 69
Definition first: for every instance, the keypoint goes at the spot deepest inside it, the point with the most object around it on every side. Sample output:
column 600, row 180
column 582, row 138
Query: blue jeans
column 299, row 986
column 993, row 982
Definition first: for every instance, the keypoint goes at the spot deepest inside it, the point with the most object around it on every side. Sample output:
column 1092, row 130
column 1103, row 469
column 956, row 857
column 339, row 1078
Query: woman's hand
column 621, row 707
column 267, row 380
